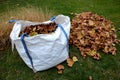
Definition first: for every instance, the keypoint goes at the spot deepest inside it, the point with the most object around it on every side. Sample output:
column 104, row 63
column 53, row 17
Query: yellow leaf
column 74, row 58
column 93, row 30
column 113, row 29
column 91, row 52
column 106, row 49
column 33, row 33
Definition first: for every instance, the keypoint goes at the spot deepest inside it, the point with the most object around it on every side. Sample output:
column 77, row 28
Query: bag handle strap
column 52, row 18
column 11, row 21
column 59, row 25
column 26, row 50
column 63, row 30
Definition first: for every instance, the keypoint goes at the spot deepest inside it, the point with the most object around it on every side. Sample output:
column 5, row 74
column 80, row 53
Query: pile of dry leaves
column 91, row 32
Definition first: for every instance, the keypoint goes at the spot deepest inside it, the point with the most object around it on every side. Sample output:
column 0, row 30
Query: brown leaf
column 60, row 68
column 85, row 14
column 90, row 78
column 83, row 53
column 79, row 35
column 91, row 23
column 97, row 56
column 1, row 49
column 70, row 62
column 106, row 49
column 112, row 50
column 60, row 71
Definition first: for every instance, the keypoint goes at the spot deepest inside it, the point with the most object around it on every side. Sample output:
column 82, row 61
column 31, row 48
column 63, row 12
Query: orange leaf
column 70, row 62
column 60, row 71
column 60, row 67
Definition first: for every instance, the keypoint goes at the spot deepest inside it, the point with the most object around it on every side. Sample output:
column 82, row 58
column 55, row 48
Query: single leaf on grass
column 97, row 56
column 70, row 62
column 60, row 68
column 112, row 50
column 74, row 58
column 1, row 49
column 60, row 71
column 90, row 78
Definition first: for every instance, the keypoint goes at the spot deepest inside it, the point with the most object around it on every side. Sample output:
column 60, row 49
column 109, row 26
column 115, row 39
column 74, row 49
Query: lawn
column 108, row 68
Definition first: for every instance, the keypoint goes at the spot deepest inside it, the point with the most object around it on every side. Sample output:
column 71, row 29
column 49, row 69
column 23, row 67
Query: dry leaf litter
column 91, row 32
column 39, row 29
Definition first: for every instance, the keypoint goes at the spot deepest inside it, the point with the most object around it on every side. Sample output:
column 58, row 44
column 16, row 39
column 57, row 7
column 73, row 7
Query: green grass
column 13, row 68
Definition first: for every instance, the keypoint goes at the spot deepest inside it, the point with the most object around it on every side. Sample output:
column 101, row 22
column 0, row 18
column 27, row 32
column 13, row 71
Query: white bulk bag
column 42, row 51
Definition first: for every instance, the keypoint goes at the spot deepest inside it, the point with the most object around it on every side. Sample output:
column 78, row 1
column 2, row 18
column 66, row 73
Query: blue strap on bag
column 61, row 27
column 24, row 45
column 26, row 50
column 11, row 21
column 52, row 18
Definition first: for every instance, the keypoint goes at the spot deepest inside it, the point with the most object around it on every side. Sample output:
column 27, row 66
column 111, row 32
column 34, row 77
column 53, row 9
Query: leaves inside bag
column 39, row 29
